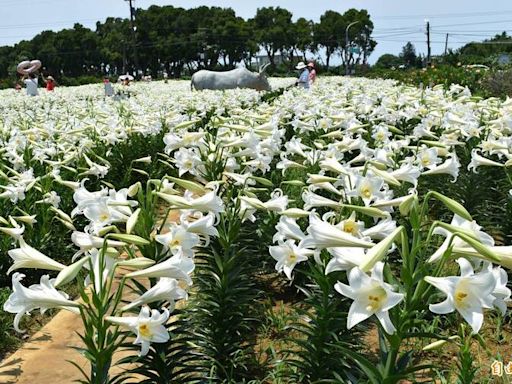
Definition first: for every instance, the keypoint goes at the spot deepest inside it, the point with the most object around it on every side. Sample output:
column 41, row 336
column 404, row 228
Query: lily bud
column 67, row 224
column 295, row 213
column 295, row 183
column 103, row 231
column 187, row 184
column 131, row 239
column 379, row 251
column 262, row 181
column 137, row 263
column 452, row 205
column 143, row 160
column 439, row 343
column 369, row 211
column 132, row 220
column 70, row 272
column 140, row 171
column 134, row 189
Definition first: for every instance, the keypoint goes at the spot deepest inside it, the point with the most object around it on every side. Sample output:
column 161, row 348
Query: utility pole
column 446, row 45
column 429, row 60
column 347, row 70
column 134, row 37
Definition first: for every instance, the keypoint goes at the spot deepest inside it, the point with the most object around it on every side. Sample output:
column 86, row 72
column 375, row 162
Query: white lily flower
column 178, row 240
column 468, row 226
column 371, row 295
column 202, row 225
column 367, row 188
column 468, row 293
column 351, row 225
column 333, row 165
column 28, row 257
column 44, row 296
column 288, row 229
column 380, row 230
column 167, row 289
column 15, row 232
column 209, row 202
column 312, row 200
column 149, row 327
column 87, row 242
column 501, row 292
column 288, row 255
column 407, row 172
column 427, row 157
column 478, row 161
column 344, row 258
column 101, row 215
column 324, row 235
column 176, row 267
column 450, row 167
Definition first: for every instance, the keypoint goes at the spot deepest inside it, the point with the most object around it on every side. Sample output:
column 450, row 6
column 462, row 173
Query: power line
column 444, row 15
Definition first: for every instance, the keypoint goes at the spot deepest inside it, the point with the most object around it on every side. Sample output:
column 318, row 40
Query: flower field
column 356, row 233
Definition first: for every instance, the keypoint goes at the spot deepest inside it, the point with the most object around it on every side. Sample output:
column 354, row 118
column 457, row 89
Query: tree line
column 494, row 51
column 170, row 39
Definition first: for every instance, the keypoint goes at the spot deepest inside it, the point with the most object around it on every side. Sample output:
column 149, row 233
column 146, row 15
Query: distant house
column 278, row 59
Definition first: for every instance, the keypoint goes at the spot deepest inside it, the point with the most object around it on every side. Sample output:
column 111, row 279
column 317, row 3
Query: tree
column 388, row 61
column 303, row 40
column 328, row 33
column 172, row 39
column 273, row 28
column 408, row 55
column 360, row 40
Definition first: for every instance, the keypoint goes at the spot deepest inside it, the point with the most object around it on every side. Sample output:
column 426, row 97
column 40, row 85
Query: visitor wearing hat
column 50, row 82
column 303, row 80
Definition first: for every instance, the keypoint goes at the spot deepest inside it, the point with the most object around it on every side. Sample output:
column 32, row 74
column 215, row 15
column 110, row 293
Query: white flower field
column 353, row 233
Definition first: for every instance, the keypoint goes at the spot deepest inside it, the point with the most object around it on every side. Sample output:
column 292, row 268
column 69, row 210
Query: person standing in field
column 109, row 90
column 312, row 73
column 303, row 80
column 31, row 84
column 50, row 82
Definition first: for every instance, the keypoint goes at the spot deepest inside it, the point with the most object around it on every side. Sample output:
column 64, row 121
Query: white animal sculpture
column 236, row 78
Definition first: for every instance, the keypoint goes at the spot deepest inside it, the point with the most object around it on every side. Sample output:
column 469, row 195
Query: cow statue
column 236, row 78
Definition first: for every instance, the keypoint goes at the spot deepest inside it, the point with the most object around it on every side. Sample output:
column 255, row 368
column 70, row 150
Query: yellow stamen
column 366, row 192
column 145, row 331
column 375, row 299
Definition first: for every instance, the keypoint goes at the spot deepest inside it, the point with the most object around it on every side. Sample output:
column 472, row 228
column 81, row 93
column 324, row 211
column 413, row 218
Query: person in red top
column 312, row 73
column 50, row 82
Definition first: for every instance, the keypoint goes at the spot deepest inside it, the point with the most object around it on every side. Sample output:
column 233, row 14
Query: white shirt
column 31, row 85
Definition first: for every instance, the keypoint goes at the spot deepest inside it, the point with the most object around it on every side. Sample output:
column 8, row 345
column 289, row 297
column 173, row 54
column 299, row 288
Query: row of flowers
column 341, row 172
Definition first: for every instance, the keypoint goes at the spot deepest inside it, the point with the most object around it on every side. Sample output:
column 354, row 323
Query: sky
column 395, row 21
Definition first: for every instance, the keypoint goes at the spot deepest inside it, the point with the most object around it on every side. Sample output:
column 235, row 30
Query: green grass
column 8, row 339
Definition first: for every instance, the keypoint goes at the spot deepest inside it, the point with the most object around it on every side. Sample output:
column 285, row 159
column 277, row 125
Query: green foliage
column 466, row 370
column 224, row 309
column 322, row 332
column 7, row 340
column 445, row 75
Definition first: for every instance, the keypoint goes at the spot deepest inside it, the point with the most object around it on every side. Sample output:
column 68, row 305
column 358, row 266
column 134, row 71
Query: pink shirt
column 312, row 76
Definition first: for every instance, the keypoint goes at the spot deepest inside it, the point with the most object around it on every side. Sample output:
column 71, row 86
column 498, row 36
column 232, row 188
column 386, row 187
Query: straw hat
column 50, row 78
column 301, row 65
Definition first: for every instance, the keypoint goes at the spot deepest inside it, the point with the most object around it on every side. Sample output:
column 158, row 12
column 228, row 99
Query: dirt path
column 44, row 358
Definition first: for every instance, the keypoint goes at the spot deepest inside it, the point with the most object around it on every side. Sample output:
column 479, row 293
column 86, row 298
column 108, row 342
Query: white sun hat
column 301, row 65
